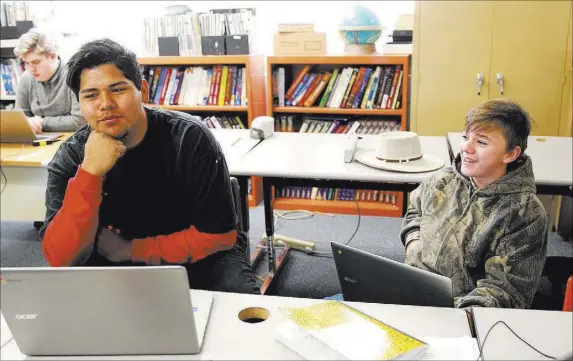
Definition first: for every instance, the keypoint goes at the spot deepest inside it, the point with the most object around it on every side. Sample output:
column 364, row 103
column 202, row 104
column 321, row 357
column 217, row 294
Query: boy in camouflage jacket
column 479, row 221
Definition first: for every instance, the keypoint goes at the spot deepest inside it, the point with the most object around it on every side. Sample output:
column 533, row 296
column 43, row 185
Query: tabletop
column 321, row 156
column 27, row 155
column 551, row 332
column 227, row 337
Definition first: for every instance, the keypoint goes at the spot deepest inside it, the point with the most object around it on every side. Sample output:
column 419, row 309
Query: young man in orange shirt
column 138, row 185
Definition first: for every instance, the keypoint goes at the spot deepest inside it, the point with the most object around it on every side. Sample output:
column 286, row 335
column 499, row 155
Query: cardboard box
column 300, row 43
column 296, row 28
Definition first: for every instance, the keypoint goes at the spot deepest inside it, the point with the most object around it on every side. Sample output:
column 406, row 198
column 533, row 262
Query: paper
column 451, row 348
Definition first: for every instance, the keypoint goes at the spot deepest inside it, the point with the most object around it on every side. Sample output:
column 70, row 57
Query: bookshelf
column 254, row 107
column 395, row 111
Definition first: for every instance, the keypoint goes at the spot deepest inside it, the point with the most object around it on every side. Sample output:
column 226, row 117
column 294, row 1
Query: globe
column 360, row 29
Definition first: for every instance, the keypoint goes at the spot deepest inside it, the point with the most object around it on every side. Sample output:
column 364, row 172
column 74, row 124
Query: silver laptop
column 366, row 277
column 104, row 310
column 14, row 128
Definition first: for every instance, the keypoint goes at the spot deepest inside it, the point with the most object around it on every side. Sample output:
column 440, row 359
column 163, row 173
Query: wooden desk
column 227, row 337
column 317, row 160
column 550, row 157
column 551, row 332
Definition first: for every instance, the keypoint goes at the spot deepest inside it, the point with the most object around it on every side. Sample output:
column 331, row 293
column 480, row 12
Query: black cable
column 5, row 180
column 357, row 224
column 522, row 340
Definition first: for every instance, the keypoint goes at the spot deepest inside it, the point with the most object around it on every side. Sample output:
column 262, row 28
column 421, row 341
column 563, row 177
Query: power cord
column 522, row 340
column 357, row 224
column 5, row 180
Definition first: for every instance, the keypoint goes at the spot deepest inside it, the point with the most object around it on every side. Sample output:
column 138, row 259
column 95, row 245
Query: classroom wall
column 122, row 20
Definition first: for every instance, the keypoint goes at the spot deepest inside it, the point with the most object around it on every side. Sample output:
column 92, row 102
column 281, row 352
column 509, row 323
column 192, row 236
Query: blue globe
column 361, row 26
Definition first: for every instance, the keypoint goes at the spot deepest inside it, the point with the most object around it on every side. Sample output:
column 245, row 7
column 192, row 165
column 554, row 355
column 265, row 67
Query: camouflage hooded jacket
column 491, row 241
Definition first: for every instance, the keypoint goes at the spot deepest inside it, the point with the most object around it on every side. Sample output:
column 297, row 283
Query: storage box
column 213, row 45
column 168, row 45
column 311, row 43
column 237, row 44
column 14, row 32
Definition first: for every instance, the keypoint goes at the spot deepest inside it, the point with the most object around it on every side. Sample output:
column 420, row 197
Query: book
column 334, row 330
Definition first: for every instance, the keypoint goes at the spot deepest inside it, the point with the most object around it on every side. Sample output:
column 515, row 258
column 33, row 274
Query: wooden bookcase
column 295, row 63
column 255, row 107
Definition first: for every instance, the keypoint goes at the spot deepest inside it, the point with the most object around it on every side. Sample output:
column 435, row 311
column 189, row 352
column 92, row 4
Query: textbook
column 332, row 330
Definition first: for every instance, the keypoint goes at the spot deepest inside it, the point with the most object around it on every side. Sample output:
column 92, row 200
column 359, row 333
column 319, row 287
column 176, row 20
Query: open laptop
column 14, row 128
column 104, row 310
column 366, row 277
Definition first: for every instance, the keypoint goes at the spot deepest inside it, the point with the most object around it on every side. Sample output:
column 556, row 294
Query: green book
column 328, row 90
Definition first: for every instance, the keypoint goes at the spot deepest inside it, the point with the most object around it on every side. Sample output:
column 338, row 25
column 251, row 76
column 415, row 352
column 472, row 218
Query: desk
column 309, row 159
column 551, row 332
column 24, row 188
column 5, row 334
column 550, row 158
column 229, row 338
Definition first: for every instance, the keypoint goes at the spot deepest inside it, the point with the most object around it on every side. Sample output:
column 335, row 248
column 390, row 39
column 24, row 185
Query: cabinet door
column 566, row 123
column 452, row 45
column 528, row 49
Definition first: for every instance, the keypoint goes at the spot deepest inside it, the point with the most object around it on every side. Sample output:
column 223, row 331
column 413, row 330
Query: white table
column 5, row 334
column 227, row 337
column 551, row 158
column 551, row 332
column 308, row 159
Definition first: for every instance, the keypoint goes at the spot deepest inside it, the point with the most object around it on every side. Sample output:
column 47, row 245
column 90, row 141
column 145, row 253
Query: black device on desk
column 366, row 277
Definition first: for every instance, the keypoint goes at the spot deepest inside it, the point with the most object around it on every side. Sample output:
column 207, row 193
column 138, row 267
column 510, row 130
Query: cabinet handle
column 479, row 82
column 499, row 77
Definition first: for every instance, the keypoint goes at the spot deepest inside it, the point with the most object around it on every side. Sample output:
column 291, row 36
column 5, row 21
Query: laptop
column 366, row 277
column 14, row 128
column 104, row 310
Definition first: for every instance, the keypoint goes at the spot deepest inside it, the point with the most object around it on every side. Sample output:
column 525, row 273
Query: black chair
column 236, row 189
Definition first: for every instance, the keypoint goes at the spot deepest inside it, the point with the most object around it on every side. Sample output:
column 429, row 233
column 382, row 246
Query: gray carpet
column 309, row 276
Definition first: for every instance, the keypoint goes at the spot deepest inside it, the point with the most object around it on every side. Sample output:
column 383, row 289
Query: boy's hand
column 101, row 153
column 36, row 124
column 112, row 246
column 413, row 245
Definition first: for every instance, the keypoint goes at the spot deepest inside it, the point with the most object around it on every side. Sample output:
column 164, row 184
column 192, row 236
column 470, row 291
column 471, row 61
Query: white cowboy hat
column 399, row 152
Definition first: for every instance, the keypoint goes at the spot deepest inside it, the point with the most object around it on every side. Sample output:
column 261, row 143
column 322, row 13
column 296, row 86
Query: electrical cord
column 357, row 224
column 5, row 181
column 516, row 335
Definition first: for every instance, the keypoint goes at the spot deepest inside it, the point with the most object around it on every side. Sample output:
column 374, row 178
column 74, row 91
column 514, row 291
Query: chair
column 236, row 190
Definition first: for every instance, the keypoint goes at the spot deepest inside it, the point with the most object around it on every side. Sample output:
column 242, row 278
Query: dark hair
column 99, row 52
column 507, row 115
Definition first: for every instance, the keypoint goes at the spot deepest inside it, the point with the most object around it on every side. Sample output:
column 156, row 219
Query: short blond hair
column 35, row 40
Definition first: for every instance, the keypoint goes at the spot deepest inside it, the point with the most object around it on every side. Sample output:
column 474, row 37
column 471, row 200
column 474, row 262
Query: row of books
column 338, row 194
column 12, row 11
column 11, row 72
column 310, row 124
column 216, row 85
column 224, row 122
column 350, row 87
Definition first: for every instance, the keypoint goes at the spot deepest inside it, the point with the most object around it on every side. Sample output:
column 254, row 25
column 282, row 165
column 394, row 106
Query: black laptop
column 366, row 277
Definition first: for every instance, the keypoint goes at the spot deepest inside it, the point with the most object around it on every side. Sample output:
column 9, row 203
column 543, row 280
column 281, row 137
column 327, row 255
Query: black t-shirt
column 175, row 178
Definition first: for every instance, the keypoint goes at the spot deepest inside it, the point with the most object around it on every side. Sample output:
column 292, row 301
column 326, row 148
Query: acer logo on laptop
column 26, row 316
column 350, row 280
